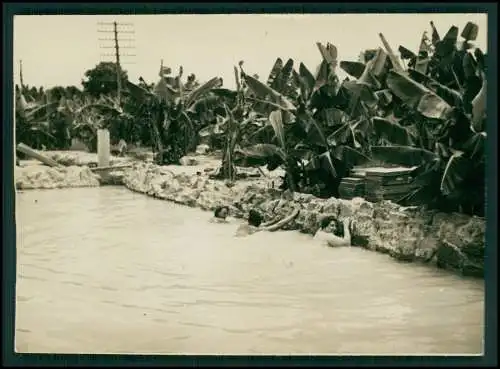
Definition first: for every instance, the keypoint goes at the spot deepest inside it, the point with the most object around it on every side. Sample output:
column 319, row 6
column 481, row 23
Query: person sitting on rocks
column 255, row 224
column 220, row 214
column 333, row 232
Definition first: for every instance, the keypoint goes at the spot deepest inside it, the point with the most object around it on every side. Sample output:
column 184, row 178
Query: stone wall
column 451, row 241
column 43, row 177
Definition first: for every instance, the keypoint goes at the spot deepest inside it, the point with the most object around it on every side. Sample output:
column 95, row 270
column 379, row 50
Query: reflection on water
column 110, row 271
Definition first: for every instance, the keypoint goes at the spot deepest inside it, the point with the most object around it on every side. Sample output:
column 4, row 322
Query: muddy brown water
column 106, row 270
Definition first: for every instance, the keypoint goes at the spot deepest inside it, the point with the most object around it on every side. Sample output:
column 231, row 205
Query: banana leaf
column 329, row 54
column 307, row 78
column 376, row 67
column 343, row 135
column 322, row 76
column 277, row 124
column 396, row 65
column 402, row 155
column 259, row 155
column 470, row 31
column 313, row 129
column 422, row 61
column 451, row 96
column 281, row 80
column 393, row 132
column 224, row 92
column 406, row 53
column 278, row 65
column 418, row 97
column 139, row 93
column 474, row 147
column 435, row 35
column 326, row 164
column 354, row 69
column 469, row 65
column 455, row 172
column 350, row 157
column 203, row 89
column 384, row 97
column 479, row 106
column 447, row 45
column 264, row 92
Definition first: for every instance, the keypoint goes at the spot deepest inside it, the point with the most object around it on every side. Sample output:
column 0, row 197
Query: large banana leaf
column 281, row 80
column 344, row 134
column 418, row 96
column 313, row 129
column 205, row 88
column 224, row 92
column 375, row 69
column 278, row 65
column 354, row 69
column 265, row 92
column 446, row 47
column 350, row 157
column 402, row 155
column 307, row 78
column 322, row 76
column 396, row 65
column 279, row 130
column 393, row 132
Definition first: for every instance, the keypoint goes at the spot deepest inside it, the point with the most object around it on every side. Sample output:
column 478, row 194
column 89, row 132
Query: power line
column 116, row 40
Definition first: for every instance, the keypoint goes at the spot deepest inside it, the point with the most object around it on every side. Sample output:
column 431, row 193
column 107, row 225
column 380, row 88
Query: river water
column 106, row 270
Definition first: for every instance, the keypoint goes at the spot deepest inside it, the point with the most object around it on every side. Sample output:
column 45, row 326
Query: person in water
column 333, row 232
column 220, row 214
column 255, row 224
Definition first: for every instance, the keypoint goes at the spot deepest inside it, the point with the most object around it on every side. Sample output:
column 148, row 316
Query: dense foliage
column 423, row 109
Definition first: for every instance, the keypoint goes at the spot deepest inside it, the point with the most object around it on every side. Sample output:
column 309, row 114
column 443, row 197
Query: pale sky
column 58, row 49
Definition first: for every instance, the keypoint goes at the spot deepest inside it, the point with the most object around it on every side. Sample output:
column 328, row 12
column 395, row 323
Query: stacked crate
column 351, row 187
column 388, row 183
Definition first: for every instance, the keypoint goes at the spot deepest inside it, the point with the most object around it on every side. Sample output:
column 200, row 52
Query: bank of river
column 109, row 270
column 450, row 241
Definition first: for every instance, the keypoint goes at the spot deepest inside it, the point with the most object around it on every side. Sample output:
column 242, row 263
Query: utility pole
column 116, row 46
column 21, row 74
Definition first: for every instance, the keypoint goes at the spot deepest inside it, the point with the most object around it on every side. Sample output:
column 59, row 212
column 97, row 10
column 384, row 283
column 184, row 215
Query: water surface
column 106, row 270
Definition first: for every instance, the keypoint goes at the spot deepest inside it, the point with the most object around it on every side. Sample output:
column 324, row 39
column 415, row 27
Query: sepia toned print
column 250, row 184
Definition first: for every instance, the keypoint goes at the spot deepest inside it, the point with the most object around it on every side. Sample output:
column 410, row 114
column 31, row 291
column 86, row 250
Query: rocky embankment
column 75, row 171
column 451, row 241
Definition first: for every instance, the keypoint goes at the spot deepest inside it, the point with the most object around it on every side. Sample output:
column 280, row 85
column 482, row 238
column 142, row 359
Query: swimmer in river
column 333, row 232
column 255, row 224
column 220, row 214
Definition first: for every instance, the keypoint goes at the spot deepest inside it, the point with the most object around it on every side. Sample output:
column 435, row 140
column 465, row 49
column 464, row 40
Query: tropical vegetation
column 423, row 108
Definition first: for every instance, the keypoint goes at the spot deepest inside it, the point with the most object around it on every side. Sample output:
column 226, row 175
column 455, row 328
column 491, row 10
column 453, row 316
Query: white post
column 103, row 148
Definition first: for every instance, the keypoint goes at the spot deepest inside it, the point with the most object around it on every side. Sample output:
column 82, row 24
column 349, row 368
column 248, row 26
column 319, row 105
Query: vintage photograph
column 249, row 184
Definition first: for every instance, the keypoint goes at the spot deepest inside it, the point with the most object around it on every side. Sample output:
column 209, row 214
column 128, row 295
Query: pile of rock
column 408, row 234
column 43, row 177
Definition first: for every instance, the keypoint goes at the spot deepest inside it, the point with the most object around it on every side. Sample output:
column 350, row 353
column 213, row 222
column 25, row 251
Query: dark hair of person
column 339, row 226
column 254, row 218
column 218, row 211
column 325, row 222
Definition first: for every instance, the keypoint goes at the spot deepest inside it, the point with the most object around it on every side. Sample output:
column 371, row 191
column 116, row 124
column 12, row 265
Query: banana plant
column 446, row 138
column 166, row 108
